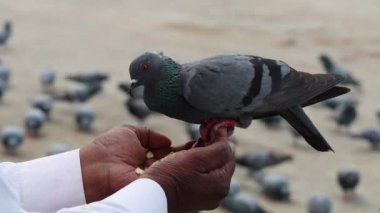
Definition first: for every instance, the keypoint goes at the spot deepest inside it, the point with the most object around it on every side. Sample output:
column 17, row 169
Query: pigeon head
column 148, row 68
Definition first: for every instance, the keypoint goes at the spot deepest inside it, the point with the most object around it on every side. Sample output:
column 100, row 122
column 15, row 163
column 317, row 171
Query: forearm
column 49, row 184
column 142, row 195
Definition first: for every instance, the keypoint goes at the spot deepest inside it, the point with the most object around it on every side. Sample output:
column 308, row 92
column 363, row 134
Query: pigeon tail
column 302, row 123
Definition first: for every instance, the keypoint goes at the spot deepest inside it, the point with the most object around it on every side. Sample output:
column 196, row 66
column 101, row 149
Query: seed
column 139, row 171
column 149, row 155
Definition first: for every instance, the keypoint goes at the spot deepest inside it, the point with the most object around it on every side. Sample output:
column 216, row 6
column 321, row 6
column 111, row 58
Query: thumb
column 150, row 139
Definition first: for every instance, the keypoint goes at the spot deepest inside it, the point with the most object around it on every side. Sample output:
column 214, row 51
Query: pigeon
column 231, row 90
column 192, row 131
column 47, row 79
column 84, row 117
column 12, row 137
column 3, row 87
column 34, row 120
column 371, row 135
column 333, row 68
column 135, row 93
column 5, row 72
column 345, row 114
column 274, row 186
column 88, row 78
column 236, row 201
column 334, row 103
column 138, row 108
column 6, row 32
column 319, row 204
column 80, row 94
column 44, row 103
column 135, row 104
column 272, row 121
column 256, row 161
column 57, row 149
column 348, row 181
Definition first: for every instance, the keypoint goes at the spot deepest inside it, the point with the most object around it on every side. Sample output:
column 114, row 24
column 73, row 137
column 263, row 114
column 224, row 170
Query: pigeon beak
column 134, row 83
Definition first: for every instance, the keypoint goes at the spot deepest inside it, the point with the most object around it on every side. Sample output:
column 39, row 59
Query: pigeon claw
column 209, row 128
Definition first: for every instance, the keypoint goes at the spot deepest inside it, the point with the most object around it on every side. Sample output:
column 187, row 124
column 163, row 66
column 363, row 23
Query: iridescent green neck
column 165, row 92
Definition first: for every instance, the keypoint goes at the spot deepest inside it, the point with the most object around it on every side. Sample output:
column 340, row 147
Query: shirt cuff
column 51, row 183
column 142, row 196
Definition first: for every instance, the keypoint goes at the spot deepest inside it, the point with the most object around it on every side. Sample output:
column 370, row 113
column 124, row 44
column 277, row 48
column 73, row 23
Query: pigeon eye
column 145, row 67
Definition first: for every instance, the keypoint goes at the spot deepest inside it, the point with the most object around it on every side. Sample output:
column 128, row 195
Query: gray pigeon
column 5, row 72
column 11, row 137
column 239, row 202
column 6, row 32
column 138, row 108
column 95, row 77
column 333, row 68
column 80, row 94
column 192, row 131
column 84, row 117
column 3, row 87
column 231, row 90
column 34, row 120
column 348, row 180
column 371, row 135
column 44, row 103
column 319, row 204
column 334, row 103
column 345, row 114
column 47, row 78
column 135, row 93
column 57, row 149
column 258, row 160
column 274, row 186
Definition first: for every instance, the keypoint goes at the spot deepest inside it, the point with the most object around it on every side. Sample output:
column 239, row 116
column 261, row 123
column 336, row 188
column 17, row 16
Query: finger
column 221, row 134
column 211, row 157
column 150, row 139
column 161, row 153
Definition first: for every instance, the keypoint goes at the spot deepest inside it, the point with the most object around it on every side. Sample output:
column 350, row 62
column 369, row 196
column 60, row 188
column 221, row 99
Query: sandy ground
column 106, row 35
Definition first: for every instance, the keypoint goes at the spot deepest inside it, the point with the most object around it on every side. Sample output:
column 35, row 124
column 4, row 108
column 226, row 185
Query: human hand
column 109, row 163
column 198, row 178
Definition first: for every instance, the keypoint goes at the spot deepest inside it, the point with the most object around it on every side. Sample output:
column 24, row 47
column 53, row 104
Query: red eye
column 145, row 67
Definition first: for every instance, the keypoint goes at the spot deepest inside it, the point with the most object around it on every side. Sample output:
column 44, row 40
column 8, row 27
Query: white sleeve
column 142, row 196
column 48, row 184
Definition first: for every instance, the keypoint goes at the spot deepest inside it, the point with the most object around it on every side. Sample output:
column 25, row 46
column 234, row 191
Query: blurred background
column 72, row 37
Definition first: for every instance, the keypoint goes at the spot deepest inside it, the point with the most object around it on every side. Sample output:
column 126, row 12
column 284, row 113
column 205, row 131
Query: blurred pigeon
column 5, row 72
column 44, row 103
column 81, row 94
column 192, row 131
column 88, row 78
column 348, row 180
column 274, row 186
column 6, row 32
column 138, row 108
column 333, row 68
column 272, row 121
column 236, row 201
column 334, row 103
column 319, row 204
column 3, row 87
column 231, row 90
column 345, row 114
column 34, row 120
column 47, row 79
column 372, row 135
column 135, row 93
column 241, row 203
column 256, row 161
column 11, row 137
column 84, row 117
column 57, row 149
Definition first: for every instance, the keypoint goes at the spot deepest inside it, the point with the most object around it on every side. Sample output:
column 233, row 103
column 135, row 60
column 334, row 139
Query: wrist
column 95, row 173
